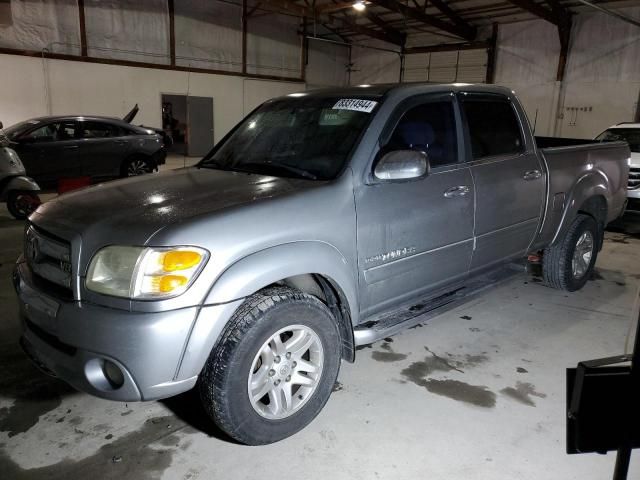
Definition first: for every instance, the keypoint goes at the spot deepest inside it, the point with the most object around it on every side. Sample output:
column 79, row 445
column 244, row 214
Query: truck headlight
column 144, row 272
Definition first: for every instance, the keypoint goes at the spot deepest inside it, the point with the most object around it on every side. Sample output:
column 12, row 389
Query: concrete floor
column 475, row 393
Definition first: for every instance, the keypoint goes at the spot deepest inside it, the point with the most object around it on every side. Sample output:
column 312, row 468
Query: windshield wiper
column 248, row 168
column 284, row 166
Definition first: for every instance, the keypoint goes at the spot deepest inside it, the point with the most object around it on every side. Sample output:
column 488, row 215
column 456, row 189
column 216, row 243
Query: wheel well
column 331, row 295
column 596, row 207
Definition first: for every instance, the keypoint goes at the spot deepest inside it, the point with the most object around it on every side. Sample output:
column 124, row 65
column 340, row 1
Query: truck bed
column 554, row 142
column 569, row 161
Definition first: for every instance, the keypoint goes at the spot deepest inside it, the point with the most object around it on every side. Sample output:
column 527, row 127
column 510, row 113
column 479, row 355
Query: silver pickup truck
column 323, row 221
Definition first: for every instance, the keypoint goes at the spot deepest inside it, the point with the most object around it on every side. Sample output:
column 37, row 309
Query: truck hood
column 136, row 208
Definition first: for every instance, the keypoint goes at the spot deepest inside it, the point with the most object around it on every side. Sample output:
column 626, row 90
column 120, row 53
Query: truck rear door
column 509, row 179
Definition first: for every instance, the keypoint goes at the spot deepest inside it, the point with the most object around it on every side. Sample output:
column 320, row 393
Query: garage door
column 469, row 66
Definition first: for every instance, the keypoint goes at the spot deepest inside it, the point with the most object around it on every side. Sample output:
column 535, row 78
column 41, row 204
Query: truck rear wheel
column 568, row 264
column 274, row 367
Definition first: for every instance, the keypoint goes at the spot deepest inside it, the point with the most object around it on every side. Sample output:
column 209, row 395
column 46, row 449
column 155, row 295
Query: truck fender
column 273, row 264
column 21, row 183
column 253, row 273
column 591, row 185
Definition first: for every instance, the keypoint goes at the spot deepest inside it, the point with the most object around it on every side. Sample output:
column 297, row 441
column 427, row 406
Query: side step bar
column 409, row 316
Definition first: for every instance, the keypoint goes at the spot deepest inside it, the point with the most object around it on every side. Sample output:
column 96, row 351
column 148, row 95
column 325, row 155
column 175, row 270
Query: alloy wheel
column 582, row 255
column 137, row 167
column 285, row 372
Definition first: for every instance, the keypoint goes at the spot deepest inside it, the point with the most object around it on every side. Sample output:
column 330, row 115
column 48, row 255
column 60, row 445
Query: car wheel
column 22, row 204
column 274, row 367
column 136, row 166
column 569, row 263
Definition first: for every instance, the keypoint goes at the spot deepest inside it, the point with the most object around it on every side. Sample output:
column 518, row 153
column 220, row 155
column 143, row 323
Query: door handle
column 70, row 147
column 459, row 191
column 532, row 175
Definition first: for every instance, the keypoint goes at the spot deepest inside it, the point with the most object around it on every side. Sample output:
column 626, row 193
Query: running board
column 407, row 316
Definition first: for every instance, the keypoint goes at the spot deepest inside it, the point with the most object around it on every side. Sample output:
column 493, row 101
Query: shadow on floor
column 628, row 224
column 188, row 408
column 33, row 393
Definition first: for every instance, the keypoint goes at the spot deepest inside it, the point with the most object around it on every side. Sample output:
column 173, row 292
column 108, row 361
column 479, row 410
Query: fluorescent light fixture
column 359, row 6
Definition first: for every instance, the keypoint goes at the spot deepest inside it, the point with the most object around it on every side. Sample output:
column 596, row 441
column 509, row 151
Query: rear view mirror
column 402, row 165
column 1, row 126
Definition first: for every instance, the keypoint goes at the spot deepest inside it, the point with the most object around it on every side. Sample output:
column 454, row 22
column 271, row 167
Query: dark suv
column 73, row 146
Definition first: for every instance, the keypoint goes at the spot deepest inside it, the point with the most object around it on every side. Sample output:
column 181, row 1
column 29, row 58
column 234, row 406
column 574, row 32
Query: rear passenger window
column 493, row 127
column 100, row 130
column 431, row 128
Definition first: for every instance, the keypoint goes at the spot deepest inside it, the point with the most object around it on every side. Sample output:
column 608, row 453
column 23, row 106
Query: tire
column 246, row 344
column 21, row 204
column 136, row 166
column 565, row 268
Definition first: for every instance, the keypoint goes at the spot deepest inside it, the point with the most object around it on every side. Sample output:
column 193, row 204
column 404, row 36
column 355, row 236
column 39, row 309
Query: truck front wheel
column 568, row 264
column 274, row 367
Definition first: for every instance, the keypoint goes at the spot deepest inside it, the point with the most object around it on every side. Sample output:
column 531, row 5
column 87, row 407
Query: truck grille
column 634, row 178
column 49, row 259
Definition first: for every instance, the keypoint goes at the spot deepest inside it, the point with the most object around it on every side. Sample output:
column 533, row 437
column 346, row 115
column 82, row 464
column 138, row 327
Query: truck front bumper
column 113, row 354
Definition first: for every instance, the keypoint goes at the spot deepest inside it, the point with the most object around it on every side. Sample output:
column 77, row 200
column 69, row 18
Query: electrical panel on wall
column 573, row 112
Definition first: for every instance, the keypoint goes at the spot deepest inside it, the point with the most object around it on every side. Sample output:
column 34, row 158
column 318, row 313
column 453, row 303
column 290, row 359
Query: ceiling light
column 359, row 6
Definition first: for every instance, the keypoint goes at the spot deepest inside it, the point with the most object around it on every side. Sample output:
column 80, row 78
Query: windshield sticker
column 355, row 104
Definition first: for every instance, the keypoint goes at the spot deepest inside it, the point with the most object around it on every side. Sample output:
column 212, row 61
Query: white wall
column 87, row 88
column 603, row 72
column 602, row 78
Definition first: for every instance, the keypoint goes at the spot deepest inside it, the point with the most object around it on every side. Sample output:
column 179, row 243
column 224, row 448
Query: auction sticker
column 355, row 104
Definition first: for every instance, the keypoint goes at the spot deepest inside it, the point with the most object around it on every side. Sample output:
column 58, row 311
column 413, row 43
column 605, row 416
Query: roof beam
column 286, row 7
column 350, row 24
column 468, row 32
column 334, row 7
column 448, row 47
column 450, row 14
column 399, row 37
column 539, row 11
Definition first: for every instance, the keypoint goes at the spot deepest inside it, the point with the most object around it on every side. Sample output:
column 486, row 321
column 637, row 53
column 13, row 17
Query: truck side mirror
column 1, row 126
column 402, row 165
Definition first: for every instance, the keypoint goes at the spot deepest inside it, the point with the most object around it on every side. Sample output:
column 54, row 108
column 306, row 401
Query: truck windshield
column 305, row 137
column 629, row 135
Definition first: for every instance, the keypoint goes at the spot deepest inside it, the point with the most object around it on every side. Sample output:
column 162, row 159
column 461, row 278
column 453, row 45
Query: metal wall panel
column 468, row 66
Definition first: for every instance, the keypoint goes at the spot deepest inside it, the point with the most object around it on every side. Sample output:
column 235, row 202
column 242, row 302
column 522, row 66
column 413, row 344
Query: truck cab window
column 493, row 127
column 431, row 128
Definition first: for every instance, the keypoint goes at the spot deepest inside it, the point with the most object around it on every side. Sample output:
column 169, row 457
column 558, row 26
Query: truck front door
column 508, row 177
column 416, row 236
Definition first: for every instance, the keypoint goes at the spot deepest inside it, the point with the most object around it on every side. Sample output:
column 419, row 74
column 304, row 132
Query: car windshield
column 15, row 130
column 306, row 137
column 629, row 135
